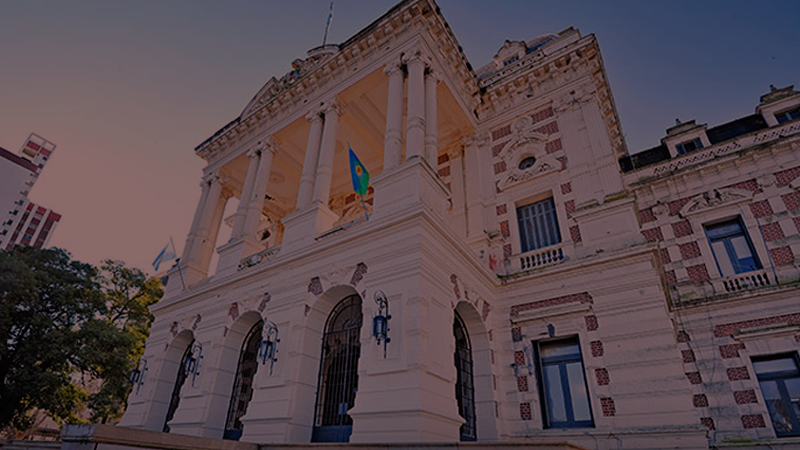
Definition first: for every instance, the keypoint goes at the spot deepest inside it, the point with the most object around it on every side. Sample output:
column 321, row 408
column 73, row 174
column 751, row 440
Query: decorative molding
column 714, row 199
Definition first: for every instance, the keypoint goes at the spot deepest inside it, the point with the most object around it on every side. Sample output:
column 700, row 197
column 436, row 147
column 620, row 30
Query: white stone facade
column 497, row 207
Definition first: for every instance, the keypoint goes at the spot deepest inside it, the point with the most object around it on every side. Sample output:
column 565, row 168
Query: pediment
column 715, row 198
column 273, row 87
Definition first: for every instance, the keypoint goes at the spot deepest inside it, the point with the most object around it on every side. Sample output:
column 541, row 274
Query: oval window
column 527, row 162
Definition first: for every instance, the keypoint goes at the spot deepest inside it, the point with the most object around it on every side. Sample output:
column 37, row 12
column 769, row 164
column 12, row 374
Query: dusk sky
column 126, row 90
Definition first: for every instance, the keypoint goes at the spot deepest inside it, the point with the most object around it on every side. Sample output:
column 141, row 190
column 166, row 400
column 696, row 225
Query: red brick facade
column 698, row 273
column 582, row 297
column 608, row 406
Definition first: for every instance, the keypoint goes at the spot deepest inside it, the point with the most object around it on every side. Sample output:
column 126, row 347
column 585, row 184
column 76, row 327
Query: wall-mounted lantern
column 192, row 366
column 380, row 323
column 268, row 350
column 137, row 374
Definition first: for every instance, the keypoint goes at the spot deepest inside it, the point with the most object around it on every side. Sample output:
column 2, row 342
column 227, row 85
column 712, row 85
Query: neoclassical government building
column 522, row 277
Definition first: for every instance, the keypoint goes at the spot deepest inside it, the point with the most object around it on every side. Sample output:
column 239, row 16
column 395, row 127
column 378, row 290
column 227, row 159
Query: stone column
column 205, row 225
column 210, row 242
column 247, row 193
column 310, row 162
column 431, row 122
column 393, row 146
column 415, row 124
column 198, row 216
column 255, row 204
column 322, row 187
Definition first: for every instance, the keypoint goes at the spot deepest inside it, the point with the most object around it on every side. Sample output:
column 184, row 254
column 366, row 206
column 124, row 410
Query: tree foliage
column 72, row 335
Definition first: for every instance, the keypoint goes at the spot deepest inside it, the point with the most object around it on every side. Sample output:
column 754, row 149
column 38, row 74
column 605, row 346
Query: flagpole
column 327, row 25
column 364, row 204
column 178, row 262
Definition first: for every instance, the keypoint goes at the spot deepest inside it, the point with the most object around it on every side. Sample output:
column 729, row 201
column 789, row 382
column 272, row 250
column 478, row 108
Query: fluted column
column 392, row 144
column 310, row 162
column 415, row 124
column 255, row 204
column 431, row 122
column 247, row 193
column 322, row 186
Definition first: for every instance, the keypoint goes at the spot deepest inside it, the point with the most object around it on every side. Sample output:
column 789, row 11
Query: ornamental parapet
column 716, row 151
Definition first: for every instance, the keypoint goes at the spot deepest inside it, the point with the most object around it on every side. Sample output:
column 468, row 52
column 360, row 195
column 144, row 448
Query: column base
column 412, row 183
column 301, row 227
column 234, row 251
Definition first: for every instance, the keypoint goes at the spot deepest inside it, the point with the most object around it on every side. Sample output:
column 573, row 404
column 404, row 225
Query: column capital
column 433, row 75
column 455, row 152
column 314, row 116
column 416, row 56
column 333, row 107
column 393, row 67
column 267, row 144
column 475, row 139
column 252, row 153
column 212, row 177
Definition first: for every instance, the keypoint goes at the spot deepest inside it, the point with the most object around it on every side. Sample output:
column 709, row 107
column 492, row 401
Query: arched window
column 243, row 386
column 180, row 378
column 465, row 388
column 338, row 372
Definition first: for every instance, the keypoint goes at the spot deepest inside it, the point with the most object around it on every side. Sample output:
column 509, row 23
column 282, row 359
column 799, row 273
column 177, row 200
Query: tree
column 72, row 335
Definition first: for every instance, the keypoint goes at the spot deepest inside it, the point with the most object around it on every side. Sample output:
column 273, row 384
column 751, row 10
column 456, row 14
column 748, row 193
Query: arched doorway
column 243, row 384
column 465, row 386
column 338, row 372
column 180, row 378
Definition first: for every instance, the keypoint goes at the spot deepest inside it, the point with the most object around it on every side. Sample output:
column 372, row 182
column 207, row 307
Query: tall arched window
column 465, row 388
column 243, row 386
column 338, row 372
column 180, row 378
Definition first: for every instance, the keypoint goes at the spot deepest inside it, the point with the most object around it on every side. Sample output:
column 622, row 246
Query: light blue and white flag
column 167, row 254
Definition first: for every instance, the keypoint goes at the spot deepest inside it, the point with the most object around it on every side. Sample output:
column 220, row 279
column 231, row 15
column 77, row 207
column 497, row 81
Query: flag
column 359, row 173
column 167, row 254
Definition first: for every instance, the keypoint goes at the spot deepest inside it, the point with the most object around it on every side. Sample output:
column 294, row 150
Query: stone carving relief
column 713, row 199
column 526, row 144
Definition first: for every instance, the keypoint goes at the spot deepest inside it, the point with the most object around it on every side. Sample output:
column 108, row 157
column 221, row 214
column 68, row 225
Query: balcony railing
column 257, row 258
column 745, row 281
column 535, row 259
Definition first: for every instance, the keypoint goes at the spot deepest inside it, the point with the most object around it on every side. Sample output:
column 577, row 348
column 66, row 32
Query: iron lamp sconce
column 380, row 323
column 192, row 366
column 267, row 351
column 137, row 374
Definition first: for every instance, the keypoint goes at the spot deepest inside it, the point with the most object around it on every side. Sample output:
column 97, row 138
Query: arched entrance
column 338, row 372
column 465, row 386
column 180, row 378
column 243, row 384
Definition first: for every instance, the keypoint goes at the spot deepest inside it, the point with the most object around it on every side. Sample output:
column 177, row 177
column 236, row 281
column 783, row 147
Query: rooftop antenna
column 328, row 25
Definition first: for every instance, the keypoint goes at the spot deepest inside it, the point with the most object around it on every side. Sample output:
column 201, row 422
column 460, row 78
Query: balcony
column 536, row 259
column 744, row 281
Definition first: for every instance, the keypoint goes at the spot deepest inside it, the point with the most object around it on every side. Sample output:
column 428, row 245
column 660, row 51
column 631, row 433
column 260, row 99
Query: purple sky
column 128, row 89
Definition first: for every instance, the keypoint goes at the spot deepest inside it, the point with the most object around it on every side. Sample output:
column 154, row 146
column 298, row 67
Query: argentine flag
column 167, row 254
